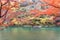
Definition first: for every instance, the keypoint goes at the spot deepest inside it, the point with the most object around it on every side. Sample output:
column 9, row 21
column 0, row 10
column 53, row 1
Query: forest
column 29, row 12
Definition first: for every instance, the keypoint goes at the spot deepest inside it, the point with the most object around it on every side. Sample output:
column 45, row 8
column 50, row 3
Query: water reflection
column 25, row 34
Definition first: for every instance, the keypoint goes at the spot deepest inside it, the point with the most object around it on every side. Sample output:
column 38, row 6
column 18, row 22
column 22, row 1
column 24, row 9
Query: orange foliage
column 6, row 6
column 54, row 9
column 53, row 2
column 36, row 12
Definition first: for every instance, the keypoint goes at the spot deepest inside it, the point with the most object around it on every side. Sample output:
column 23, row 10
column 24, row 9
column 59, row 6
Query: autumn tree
column 48, row 7
column 7, row 7
column 54, row 7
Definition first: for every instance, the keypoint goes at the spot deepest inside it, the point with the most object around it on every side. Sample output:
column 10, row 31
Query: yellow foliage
column 43, row 20
column 12, row 3
column 14, row 9
column 15, row 21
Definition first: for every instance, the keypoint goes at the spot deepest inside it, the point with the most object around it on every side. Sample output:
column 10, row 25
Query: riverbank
column 27, row 27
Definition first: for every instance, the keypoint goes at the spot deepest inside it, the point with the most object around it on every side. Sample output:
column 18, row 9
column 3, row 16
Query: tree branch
column 5, row 3
column 4, row 13
column 6, row 10
column 51, row 5
column 54, row 6
column 0, row 8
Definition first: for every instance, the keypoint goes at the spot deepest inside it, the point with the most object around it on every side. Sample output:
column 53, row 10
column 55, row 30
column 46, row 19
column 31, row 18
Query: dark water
column 19, row 33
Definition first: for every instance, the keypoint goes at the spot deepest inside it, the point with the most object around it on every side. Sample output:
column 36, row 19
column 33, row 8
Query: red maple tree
column 6, row 7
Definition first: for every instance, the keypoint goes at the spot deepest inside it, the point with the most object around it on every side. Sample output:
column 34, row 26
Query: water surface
column 19, row 33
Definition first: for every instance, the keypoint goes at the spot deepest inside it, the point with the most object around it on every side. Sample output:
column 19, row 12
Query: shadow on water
column 28, row 33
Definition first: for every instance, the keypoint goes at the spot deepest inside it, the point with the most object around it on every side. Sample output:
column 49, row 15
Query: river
column 19, row 33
